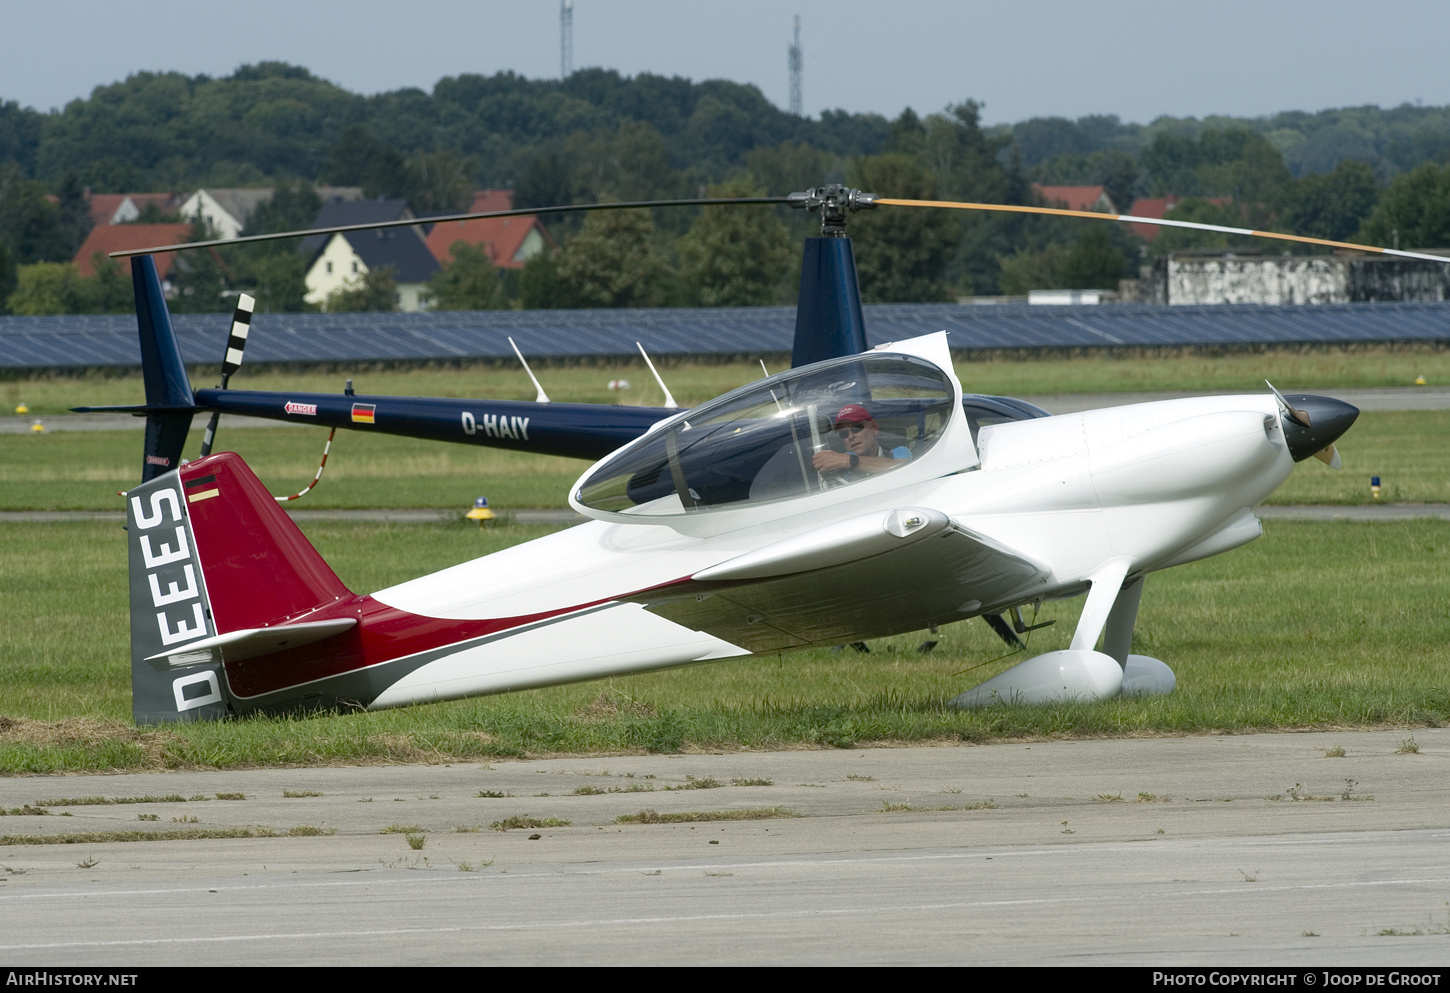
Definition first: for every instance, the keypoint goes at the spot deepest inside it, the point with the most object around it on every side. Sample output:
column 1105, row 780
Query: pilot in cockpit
column 864, row 454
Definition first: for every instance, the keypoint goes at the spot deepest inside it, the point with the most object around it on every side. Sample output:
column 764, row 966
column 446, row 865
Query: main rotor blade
column 419, row 221
column 1162, row 222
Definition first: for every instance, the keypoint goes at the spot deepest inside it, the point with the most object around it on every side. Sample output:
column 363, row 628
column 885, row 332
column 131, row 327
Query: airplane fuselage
column 1160, row 483
column 713, row 535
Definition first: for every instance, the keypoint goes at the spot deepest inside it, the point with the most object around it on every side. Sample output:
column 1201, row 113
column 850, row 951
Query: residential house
column 1160, row 207
column 106, row 238
column 226, row 210
column 339, row 261
column 509, row 241
column 123, row 208
column 1093, row 198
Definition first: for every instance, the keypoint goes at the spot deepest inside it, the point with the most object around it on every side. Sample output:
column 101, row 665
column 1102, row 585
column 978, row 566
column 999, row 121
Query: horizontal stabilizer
column 141, row 408
column 249, row 643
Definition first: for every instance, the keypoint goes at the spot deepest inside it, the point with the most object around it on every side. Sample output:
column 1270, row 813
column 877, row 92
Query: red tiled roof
column 1159, row 207
column 501, row 237
column 103, row 206
column 119, row 237
column 1075, row 197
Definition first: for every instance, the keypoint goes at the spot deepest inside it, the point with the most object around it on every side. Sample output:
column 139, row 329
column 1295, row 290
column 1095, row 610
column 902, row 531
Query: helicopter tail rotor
column 231, row 359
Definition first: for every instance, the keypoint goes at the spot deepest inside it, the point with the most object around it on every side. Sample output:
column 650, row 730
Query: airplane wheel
column 1145, row 676
column 1050, row 678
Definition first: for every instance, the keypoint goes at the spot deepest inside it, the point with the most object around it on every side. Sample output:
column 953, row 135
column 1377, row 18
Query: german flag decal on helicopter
column 362, row 413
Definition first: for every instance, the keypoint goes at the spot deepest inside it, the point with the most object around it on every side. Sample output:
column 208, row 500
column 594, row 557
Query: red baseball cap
column 853, row 413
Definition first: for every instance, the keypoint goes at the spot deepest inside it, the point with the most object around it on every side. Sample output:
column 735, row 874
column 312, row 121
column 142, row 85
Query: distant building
column 229, row 210
column 1093, row 198
column 1161, row 207
column 1068, row 298
column 338, row 192
column 123, row 208
column 339, row 261
column 226, row 210
column 1218, row 277
column 106, row 238
column 509, row 241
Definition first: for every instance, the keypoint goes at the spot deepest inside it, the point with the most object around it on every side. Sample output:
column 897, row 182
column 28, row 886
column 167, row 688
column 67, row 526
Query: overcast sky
column 1134, row 58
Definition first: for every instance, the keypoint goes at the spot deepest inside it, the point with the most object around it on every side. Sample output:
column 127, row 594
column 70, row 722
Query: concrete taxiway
column 1247, row 850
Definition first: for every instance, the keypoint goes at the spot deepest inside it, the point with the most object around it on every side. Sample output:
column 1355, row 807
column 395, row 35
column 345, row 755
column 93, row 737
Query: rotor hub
column 834, row 201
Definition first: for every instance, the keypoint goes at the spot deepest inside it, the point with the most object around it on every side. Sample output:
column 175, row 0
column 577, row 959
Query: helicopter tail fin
column 828, row 322
column 219, row 573
column 169, row 401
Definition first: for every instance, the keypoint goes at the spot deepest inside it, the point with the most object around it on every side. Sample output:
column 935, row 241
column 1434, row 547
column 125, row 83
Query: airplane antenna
column 763, row 369
column 231, row 360
column 669, row 400
column 542, row 397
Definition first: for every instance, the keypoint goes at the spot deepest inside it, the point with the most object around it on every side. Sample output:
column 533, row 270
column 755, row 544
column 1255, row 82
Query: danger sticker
column 309, row 409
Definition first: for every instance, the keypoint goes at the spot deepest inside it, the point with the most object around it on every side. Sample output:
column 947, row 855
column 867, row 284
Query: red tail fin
column 259, row 569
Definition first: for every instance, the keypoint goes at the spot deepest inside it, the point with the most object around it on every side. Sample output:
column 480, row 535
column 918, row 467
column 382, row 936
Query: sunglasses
column 850, row 429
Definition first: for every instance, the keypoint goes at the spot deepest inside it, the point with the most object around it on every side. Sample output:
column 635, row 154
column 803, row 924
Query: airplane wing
column 851, row 581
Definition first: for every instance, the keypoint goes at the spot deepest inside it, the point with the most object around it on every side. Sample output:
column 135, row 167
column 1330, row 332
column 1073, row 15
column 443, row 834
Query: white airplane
column 839, row 501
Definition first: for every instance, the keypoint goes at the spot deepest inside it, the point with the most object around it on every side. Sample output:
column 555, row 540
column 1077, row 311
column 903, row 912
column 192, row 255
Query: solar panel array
column 110, row 340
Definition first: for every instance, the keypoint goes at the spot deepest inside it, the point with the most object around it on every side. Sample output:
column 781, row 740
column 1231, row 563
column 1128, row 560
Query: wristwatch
column 855, row 460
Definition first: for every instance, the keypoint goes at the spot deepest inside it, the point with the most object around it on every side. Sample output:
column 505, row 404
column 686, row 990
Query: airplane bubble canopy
column 759, row 443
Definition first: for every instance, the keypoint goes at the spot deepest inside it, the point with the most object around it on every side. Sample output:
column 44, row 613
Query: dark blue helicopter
column 829, row 324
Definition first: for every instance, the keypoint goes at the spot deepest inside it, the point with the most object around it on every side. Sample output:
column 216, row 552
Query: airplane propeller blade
column 1330, row 457
column 1299, row 417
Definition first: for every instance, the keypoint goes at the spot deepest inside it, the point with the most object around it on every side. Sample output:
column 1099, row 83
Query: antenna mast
column 796, row 107
column 566, row 38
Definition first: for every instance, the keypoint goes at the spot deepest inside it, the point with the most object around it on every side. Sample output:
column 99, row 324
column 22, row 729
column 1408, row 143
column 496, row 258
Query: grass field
column 75, row 470
column 1312, row 626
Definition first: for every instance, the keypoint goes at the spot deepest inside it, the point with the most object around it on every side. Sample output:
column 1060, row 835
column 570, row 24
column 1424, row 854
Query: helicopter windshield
column 761, row 442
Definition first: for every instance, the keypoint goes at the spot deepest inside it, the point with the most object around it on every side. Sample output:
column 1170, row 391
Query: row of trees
column 1390, row 141
column 598, row 136
column 171, row 131
column 744, row 256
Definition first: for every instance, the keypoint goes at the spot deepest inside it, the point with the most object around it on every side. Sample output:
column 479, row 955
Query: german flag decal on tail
column 362, row 413
column 202, row 488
